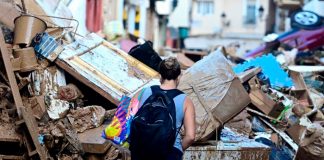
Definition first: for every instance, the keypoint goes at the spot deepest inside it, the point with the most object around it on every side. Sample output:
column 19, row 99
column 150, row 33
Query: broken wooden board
column 72, row 136
column 92, row 142
column 108, row 70
column 12, row 157
column 262, row 101
column 300, row 90
column 245, row 76
column 10, row 74
column 22, row 111
column 282, row 134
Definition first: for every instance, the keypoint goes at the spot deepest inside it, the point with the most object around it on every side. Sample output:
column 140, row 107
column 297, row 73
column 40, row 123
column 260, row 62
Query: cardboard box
column 295, row 132
column 300, row 90
column 262, row 101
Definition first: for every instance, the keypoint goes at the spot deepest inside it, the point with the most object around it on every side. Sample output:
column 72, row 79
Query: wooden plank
column 12, row 157
column 92, row 142
column 245, row 76
column 77, row 60
column 22, row 111
column 263, row 115
column 10, row 74
column 76, row 75
column 200, row 53
column 84, row 52
column 33, row 131
column 282, row 134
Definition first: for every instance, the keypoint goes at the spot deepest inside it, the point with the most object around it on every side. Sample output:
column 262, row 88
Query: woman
column 170, row 71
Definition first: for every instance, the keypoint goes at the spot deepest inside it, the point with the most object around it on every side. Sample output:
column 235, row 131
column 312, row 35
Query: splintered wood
column 22, row 112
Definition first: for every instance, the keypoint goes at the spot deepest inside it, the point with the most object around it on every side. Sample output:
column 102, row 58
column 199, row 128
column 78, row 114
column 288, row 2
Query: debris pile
column 42, row 115
column 284, row 108
column 58, row 93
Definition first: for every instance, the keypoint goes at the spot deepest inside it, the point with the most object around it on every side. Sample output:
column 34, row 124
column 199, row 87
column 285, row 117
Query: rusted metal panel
column 228, row 151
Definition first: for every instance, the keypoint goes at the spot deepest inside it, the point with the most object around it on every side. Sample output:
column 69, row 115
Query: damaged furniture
column 105, row 68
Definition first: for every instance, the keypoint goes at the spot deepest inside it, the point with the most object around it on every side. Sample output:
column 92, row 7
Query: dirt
column 86, row 118
column 313, row 141
column 8, row 132
column 241, row 123
column 69, row 93
column 135, row 72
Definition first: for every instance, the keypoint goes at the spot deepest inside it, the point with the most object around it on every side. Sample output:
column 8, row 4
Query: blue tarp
column 270, row 68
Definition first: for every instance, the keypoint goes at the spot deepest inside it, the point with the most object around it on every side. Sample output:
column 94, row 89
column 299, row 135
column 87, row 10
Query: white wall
column 180, row 16
column 78, row 10
column 235, row 11
column 206, row 24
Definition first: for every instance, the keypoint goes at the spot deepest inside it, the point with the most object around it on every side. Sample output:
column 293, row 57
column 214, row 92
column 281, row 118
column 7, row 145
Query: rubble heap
column 58, row 92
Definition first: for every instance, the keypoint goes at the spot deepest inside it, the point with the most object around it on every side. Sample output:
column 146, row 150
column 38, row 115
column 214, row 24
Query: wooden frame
column 72, row 62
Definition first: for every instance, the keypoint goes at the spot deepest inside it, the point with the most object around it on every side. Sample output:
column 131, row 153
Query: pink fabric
column 127, row 44
column 169, row 40
column 94, row 15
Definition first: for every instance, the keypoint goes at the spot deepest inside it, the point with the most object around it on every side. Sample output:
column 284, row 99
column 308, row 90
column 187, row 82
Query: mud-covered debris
column 313, row 141
column 69, row 93
column 86, row 118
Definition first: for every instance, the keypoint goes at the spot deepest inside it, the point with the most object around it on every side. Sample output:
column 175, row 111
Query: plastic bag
column 118, row 129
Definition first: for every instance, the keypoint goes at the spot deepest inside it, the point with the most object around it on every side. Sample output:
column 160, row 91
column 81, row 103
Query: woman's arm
column 189, row 124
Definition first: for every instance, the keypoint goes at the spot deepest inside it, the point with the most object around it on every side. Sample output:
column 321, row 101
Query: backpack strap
column 155, row 89
column 171, row 94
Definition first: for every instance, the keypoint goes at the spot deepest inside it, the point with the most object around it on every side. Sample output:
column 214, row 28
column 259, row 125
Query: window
column 205, row 7
column 250, row 14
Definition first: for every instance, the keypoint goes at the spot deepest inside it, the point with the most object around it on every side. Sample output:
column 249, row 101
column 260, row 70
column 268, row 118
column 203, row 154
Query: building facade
column 232, row 18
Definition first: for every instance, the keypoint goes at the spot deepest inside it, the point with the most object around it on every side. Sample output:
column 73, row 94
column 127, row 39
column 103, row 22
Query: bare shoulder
column 188, row 104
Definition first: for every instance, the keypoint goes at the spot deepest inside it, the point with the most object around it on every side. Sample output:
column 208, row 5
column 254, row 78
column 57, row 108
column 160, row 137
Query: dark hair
column 169, row 68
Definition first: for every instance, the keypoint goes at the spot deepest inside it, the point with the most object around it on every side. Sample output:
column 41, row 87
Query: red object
column 302, row 40
column 94, row 15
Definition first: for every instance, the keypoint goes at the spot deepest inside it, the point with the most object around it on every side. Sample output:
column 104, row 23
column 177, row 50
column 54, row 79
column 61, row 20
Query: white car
column 310, row 17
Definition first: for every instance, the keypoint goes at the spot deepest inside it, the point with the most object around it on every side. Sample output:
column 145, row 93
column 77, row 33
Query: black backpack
column 153, row 129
